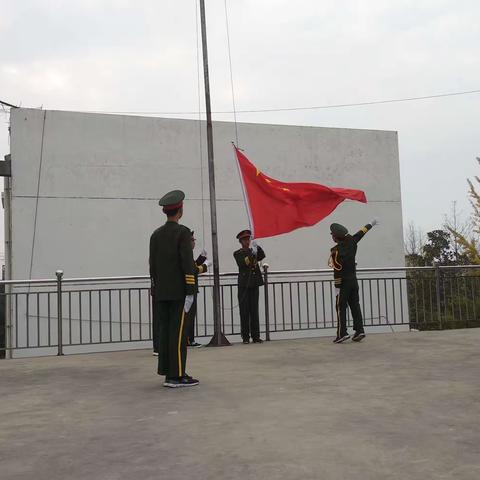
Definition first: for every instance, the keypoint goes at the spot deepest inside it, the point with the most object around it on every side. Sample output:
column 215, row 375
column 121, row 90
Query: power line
column 8, row 104
column 289, row 109
column 283, row 109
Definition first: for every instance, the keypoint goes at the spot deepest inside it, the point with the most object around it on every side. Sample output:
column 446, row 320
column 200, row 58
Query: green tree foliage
column 437, row 247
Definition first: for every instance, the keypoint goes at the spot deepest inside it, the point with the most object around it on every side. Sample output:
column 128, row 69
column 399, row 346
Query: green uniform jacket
column 342, row 256
column 172, row 269
column 249, row 274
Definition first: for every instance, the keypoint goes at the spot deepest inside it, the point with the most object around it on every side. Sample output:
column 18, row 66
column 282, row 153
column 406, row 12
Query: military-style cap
column 244, row 234
column 338, row 230
column 172, row 200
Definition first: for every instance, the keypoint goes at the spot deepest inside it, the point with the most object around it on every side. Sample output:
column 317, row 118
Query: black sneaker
column 246, row 342
column 341, row 339
column 195, row 345
column 185, row 381
column 258, row 340
column 358, row 337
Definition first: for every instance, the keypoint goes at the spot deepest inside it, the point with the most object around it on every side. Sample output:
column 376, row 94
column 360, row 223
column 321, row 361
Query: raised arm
column 361, row 233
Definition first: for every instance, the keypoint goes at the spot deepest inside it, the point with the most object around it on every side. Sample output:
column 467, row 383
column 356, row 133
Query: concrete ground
column 404, row 406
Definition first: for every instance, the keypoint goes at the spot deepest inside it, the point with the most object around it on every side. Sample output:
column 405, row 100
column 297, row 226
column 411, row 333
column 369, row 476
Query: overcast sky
column 123, row 55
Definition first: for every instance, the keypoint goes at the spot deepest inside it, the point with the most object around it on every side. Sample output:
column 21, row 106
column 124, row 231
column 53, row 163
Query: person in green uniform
column 249, row 280
column 342, row 260
column 172, row 274
column 201, row 264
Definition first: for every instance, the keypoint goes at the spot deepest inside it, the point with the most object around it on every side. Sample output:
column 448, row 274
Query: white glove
column 337, row 291
column 208, row 263
column 203, row 253
column 254, row 247
column 374, row 222
column 188, row 303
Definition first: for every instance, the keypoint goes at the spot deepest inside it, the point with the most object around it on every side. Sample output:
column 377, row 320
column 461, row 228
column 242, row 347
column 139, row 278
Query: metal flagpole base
column 218, row 340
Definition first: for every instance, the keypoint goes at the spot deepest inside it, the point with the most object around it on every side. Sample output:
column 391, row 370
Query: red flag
column 276, row 207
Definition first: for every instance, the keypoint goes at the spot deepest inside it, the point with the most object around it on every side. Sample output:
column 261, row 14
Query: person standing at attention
column 249, row 280
column 172, row 274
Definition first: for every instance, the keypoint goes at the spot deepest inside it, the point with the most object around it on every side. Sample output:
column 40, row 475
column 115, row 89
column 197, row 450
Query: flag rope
column 231, row 74
column 200, row 145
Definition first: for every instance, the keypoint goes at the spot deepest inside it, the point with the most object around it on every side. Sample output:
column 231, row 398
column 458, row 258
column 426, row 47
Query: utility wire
column 290, row 109
column 285, row 109
column 8, row 104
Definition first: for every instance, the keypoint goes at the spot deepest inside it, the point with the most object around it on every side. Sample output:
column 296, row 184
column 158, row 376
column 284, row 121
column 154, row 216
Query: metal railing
column 68, row 313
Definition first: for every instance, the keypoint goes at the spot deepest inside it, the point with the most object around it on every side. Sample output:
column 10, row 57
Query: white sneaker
column 155, row 354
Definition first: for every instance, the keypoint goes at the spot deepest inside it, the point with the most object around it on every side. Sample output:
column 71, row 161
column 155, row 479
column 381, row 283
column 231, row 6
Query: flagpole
column 218, row 338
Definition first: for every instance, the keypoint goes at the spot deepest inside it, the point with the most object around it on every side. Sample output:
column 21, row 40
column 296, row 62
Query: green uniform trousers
column 348, row 297
column 249, row 320
column 170, row 335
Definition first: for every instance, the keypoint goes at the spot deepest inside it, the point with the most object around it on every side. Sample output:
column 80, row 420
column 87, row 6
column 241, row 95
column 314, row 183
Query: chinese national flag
column 276, row 207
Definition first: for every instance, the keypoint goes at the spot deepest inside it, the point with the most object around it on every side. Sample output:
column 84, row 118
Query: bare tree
column 455, row 222
column 414, row 239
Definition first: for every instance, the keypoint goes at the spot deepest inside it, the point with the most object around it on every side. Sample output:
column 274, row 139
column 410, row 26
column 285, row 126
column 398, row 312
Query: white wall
column 102, row 175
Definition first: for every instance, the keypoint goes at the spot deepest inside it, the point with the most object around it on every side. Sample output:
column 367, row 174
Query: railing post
column 267, row 310
column 59, row 274
column 437, row 290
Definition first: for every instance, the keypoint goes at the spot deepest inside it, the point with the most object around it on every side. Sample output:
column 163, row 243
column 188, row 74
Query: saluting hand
column 374, row 222
column 254, row 247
